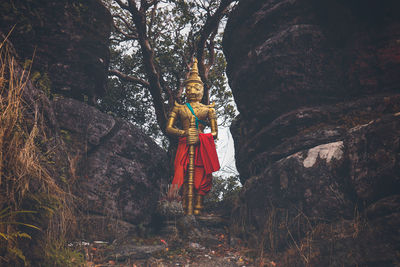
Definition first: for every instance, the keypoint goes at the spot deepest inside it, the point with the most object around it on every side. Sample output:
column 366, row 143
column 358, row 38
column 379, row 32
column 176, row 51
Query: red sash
column 206, row 162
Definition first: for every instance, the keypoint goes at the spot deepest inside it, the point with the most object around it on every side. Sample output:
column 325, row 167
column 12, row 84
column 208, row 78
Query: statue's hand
column 192, row 136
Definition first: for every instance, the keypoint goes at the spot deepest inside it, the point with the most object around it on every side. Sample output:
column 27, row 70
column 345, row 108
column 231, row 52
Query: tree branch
column 153, row 74
column 211, row 52
column 210, row 26
column 145, row 5
column 126, row 35
column 127, row 24
column 122, row 5
column 153, row 13
column 129, row 78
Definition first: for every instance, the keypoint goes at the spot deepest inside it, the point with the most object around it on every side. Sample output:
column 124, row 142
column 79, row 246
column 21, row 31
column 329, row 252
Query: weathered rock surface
column 67, row 40
column 116, row 172
column 317, row 140
column 120, row 172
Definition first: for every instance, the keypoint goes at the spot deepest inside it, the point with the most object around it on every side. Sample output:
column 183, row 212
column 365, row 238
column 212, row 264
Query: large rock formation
column 115, row 172
column 118, row 171
column 317, row 139
column 67, row 41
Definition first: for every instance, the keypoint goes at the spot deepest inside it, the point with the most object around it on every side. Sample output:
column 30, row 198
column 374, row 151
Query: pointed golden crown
column 194, row 74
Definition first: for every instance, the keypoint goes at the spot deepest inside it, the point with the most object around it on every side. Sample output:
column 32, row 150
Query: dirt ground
column 208, row 244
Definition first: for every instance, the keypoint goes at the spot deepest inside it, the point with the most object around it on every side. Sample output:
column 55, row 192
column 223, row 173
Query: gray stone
column 121, row 173
column 135, row 252
column 68, row 41
column 317, row 138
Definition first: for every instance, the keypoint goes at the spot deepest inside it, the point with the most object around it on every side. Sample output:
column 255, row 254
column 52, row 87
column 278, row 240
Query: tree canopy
column 152, row 46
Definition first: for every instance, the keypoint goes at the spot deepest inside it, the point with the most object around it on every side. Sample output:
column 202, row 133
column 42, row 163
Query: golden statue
column 196, row 157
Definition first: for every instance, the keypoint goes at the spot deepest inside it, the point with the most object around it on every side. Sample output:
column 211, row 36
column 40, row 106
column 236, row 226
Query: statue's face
column 194, row 92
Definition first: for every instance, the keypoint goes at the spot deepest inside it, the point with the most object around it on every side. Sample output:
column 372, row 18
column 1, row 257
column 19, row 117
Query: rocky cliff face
column 67, row 41
column 317, row 140
column 119, row 173
column 115, row 172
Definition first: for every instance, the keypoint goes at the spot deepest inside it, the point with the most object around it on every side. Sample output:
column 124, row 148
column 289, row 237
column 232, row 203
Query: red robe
column 206, row 162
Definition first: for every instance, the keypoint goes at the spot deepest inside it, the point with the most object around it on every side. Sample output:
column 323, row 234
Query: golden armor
column 191, row 129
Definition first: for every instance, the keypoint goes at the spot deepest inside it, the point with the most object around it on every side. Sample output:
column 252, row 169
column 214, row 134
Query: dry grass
column 281, row 230
column 304, row 247
column 23, row 171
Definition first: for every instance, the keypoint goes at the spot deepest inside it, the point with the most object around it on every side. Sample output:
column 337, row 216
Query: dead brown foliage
column 23, row 172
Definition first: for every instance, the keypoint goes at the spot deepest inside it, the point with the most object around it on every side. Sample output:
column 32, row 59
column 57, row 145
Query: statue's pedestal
column 186, row 227
column 172, row 212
